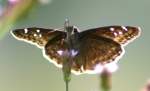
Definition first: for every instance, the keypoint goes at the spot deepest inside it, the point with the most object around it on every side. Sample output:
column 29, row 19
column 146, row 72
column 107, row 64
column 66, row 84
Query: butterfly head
column 70, row 29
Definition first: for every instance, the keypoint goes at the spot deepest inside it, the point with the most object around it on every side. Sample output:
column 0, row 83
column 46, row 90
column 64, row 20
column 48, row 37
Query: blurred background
column 23, row 67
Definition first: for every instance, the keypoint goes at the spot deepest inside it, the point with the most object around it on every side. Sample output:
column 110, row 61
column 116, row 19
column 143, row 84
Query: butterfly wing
column 94, row 50
column 53, row 50
column 120, row 34
column 94, row 46
column 91, row 51
column 36, row 36
column 102, row 45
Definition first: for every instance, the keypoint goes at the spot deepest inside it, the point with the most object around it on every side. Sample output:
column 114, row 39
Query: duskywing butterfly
column 90, row 47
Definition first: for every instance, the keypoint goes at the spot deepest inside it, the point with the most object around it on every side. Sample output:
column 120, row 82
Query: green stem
column 67, row 62
column 67, row 71
column 67, row 86
column 105, row 81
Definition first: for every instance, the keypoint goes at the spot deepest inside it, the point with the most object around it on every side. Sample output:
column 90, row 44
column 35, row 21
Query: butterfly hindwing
column 52, row 48
column 37, row 36
column 120, row 34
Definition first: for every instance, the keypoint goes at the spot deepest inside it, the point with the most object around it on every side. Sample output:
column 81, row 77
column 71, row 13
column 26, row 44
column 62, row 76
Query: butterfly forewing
column 37, row 36
column 120, row 34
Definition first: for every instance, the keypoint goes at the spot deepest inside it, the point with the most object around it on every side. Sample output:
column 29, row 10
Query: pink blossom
column 147, row 86
column 13, row 1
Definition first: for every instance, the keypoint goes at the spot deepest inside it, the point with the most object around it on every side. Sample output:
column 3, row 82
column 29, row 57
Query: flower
column 13, row 1
column 66, row 53
column 1, row 10
column 147, row 86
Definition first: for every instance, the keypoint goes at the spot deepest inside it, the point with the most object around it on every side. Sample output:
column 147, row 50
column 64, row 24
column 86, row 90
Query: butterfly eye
column 75, row 30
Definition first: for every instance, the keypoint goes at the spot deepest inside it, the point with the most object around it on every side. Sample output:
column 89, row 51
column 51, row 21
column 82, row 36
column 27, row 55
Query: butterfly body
column 87, row 49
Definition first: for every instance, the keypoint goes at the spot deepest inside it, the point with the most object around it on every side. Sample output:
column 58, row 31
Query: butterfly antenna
column 66, row 28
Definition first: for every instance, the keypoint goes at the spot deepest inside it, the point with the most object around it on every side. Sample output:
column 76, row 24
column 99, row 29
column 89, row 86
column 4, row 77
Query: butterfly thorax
column 72, row 37
column 71, row 31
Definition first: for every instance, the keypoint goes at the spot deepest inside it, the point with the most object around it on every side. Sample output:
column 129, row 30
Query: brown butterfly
column 88, row 48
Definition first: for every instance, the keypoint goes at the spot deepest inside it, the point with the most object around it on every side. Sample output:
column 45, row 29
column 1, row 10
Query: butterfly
column 88, row 48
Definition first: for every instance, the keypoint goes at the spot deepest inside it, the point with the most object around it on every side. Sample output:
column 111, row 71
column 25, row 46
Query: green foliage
column 13, row 13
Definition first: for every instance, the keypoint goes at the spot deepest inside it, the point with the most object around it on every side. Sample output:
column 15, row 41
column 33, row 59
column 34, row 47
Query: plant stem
column 105, row 80
column 67, row 86
column 67, row 71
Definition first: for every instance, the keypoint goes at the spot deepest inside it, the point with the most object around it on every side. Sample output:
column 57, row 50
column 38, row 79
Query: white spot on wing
column 112, row 29
column 60, row 52
column 25, row 30
column 34, row 35
column 123, row 27
column 115, row 34
column 40, row 35
column 37, row 30
column 120, row 33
